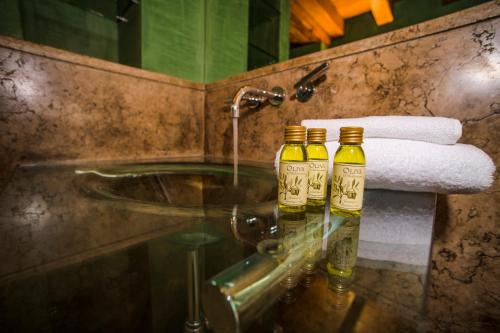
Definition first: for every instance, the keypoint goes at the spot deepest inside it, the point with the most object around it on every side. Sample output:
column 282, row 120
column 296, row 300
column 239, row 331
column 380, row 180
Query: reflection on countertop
column 77, row 261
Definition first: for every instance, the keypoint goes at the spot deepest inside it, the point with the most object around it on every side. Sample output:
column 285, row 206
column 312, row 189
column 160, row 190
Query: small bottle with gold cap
column 348, row 178
column 318, row 166
column 293, row 171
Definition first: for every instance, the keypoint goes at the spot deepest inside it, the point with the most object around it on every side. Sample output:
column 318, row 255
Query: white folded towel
column 417, row 166
column 429, row 129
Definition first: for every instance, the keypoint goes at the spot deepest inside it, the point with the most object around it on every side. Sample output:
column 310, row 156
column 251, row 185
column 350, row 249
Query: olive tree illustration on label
column 347, row 186
column 293, row 183
column 318, row 176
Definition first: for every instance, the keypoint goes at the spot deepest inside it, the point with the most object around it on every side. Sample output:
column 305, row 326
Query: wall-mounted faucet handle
column 305, row 86
column 279, row 96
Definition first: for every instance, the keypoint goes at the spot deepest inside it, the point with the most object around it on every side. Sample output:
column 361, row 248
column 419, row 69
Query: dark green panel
column 300, row 50
column 268, row 32
column 264, row 29
column 257, row 58
column 10, row 19
column 226, row 38
column 105, row 8
column 62, row 25
column 129, row 34
column 173, row 37
column 405, row 12
column 284, row 42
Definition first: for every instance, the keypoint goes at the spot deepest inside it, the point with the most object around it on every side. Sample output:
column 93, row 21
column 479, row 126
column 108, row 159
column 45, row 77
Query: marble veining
column 454, row 73
column 53, row 110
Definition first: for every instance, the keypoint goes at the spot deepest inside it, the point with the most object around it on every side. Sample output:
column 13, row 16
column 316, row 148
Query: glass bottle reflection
column 342, row 252
column 315, row 216
column 292, row 231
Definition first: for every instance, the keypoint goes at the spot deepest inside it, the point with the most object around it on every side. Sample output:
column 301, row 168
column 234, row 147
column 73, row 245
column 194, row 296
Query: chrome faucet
column 255, row 98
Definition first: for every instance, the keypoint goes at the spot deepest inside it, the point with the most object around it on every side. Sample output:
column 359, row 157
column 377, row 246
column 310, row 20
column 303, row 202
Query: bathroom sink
column 194, row 189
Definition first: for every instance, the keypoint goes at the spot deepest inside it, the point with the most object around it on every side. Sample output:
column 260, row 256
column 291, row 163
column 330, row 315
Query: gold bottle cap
column 295, row 133
column 351, row 135
column 316, row 135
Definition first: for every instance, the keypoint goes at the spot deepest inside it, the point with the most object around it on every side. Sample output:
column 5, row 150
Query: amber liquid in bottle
column 293, row 171
column 348, row 178
column 318, row 167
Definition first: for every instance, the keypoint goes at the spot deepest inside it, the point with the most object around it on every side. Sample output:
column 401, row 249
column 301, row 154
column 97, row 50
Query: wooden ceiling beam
column 326, row 15
column 299, row 11
column 351, row 8
column 307, row 33
column 296, row 36
column 321, row 20
column 381, row 10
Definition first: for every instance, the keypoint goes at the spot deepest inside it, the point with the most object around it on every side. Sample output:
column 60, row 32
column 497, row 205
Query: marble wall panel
column 451, row 74
column 455, row 73
column 57, row 106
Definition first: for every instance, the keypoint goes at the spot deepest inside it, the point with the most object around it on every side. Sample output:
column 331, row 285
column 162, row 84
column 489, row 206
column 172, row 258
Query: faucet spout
column 254, row 96
column 276, row 97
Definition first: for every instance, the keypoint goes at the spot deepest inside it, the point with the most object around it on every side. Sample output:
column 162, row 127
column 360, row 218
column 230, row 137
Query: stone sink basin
column 187, row 189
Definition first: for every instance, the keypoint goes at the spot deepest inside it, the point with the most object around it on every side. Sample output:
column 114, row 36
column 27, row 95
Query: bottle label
column 318, row 176
column 293, row 183
column 348, row 183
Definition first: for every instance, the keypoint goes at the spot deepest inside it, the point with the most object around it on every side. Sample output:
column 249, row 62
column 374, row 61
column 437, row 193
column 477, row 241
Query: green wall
column 197, row 40
column 284, row 42
column 66, row 23
column 172, row 37
column 226, row 38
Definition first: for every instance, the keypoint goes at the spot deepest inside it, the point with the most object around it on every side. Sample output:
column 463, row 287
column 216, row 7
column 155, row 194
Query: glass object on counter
column 348, row 177
column 293, row 171
column 237, row 296
column 318, row 166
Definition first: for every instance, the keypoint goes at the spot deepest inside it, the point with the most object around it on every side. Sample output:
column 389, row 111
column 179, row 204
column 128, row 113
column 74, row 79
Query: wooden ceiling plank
column 315, row 13
column 296, row 36
column 381, row 10
column 351, row 8
column 309, row 22
column 304, row 31
column 326, row 14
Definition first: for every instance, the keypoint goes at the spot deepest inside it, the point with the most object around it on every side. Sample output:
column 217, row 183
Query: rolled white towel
column 429, row 129
column 406, row 165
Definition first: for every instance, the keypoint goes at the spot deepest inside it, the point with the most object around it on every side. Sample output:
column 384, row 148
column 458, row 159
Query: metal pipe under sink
column 194, row 322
